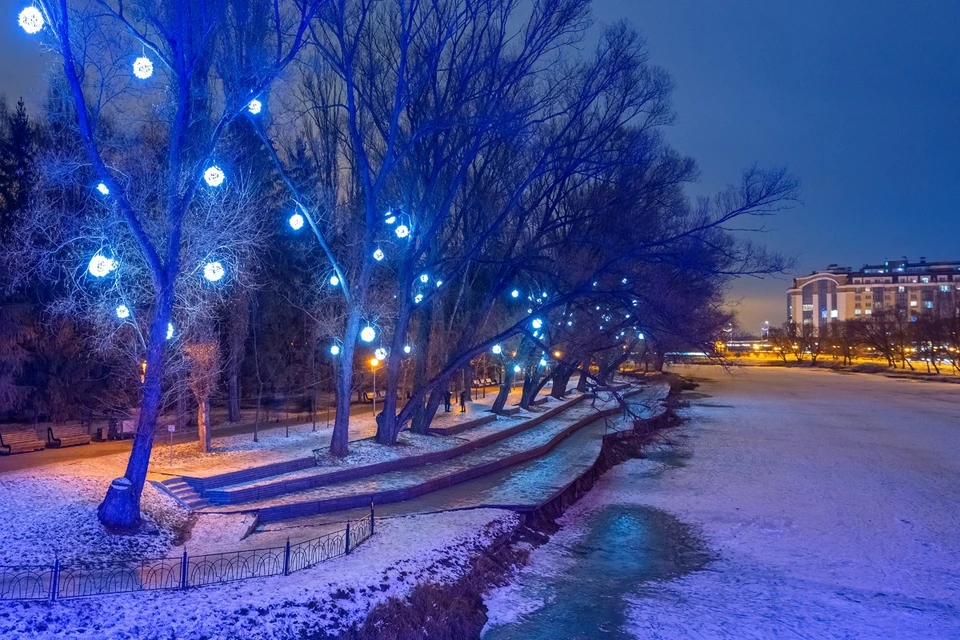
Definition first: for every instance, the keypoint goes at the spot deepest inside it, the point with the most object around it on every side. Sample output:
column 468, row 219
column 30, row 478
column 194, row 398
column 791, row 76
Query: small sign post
column 170, row 429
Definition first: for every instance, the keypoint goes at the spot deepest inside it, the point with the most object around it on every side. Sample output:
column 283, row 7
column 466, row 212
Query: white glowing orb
column 334, row 281
column 640, row 336
column 296, row 222
column 569, row 323
column 169, row 331
column 516, row 368
column 407, row 348
column 403, row 231
column 390, row 218
column 424, row 278
column 142, row 68
column 514, row 294
column 543, row 362
column 100, row 265
column 213, row 271
column 31, row 20
column 497, row 349
column 368, row 334
column 123, row 312
column 537, row 323
column 417, row 299
column 624, row 281
column 335, row 350
column 254, row 106
column 380, row 354
column 378, row 255
column 213, row 176
column 439, row 283
column 103, row 189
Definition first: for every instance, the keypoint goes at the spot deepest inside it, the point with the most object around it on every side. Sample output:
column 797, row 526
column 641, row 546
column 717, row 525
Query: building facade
column 840, row 293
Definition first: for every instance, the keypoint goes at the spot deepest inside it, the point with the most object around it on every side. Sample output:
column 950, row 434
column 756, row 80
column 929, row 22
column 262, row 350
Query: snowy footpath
column 793, row 504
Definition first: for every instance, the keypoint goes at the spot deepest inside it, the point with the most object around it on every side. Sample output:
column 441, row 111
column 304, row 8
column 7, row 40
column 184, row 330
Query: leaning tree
column 170, row 77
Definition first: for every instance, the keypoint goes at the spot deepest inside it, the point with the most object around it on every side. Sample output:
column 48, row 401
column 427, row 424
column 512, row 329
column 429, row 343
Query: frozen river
column 794, row 504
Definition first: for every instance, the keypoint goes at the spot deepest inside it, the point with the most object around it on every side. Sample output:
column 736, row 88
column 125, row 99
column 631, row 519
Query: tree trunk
column 120, row 508
column 203, row 424
column 468, row 381
column 344, row 384
column 424, row 417
column 233, row 391
column 504, row 391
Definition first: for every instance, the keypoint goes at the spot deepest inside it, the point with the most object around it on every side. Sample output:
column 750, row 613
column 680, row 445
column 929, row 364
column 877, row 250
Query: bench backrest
column 12, row 437
column 65, row 431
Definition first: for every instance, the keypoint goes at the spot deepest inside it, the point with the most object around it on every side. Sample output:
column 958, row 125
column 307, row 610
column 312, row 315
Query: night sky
column 860, row 99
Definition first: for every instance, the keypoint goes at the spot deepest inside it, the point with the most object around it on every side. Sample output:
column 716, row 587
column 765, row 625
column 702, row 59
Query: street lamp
column 374, row 363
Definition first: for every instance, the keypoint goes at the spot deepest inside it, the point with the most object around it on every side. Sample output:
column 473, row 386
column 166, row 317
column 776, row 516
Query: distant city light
column 403, row 231
column 142, row 68
column 335, row 350
column 334, row 281
column 497, row 349
column 368, row 334
column 123, row 312
column 254, row 106
column 100, row 265
column 296, row 222
column 103, row 189
column 213, row 271
column 378, row 255
column 31, row 20
column 213, row 176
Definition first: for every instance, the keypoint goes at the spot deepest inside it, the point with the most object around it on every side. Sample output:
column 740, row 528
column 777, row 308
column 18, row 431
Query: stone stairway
column 183, row 493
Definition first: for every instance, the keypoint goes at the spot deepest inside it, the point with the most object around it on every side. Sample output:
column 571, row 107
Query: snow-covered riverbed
column 829, row 505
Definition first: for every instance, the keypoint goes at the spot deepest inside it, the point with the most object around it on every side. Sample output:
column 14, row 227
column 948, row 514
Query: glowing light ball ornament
column 378, row 255
column 537, row 323
column 368, row 334
column 497, row 349
column 380, row 354
column 103, row 189
column 334, row 281
column 213, row 271
column 142, row 67
column 296, row 222
column 255, row 106
column 123, row 312
column 335, row 350
column 100, row 265
column 213, row 176
column 514, row 294
column 516, row 369
column 424, row 278
column 407, row 348
column 543, row 362
column 169, row 331
column 31, row 20
column 417, row 299
column 403, row 231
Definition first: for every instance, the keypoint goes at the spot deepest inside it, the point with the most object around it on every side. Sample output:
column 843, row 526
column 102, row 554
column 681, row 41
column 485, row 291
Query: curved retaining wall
column 283, row 487
column 300, row 509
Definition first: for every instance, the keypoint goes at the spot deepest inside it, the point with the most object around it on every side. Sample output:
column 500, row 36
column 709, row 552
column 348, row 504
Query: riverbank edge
column 457, row 609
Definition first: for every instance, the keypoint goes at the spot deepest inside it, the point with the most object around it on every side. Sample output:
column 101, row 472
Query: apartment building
column 840, row 293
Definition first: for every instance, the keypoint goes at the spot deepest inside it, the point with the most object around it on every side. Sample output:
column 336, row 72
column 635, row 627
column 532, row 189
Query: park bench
column 19, row 441
column 365, row 397
column 67, row 436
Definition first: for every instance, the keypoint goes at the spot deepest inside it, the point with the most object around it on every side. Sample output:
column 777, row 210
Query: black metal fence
column 78, row 579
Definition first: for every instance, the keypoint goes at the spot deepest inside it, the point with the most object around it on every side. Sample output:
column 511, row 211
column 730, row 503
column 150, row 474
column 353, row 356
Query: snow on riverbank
column 828, row 502
column 324, row 599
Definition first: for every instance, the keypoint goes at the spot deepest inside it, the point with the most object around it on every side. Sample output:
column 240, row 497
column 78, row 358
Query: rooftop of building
column 901, row 265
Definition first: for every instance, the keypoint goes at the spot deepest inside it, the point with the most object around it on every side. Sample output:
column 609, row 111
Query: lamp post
column 374, row 363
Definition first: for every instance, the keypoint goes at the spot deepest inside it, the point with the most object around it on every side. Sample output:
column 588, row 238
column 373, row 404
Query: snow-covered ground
column 52, row 510
column 323, row 599
column 797, row 503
